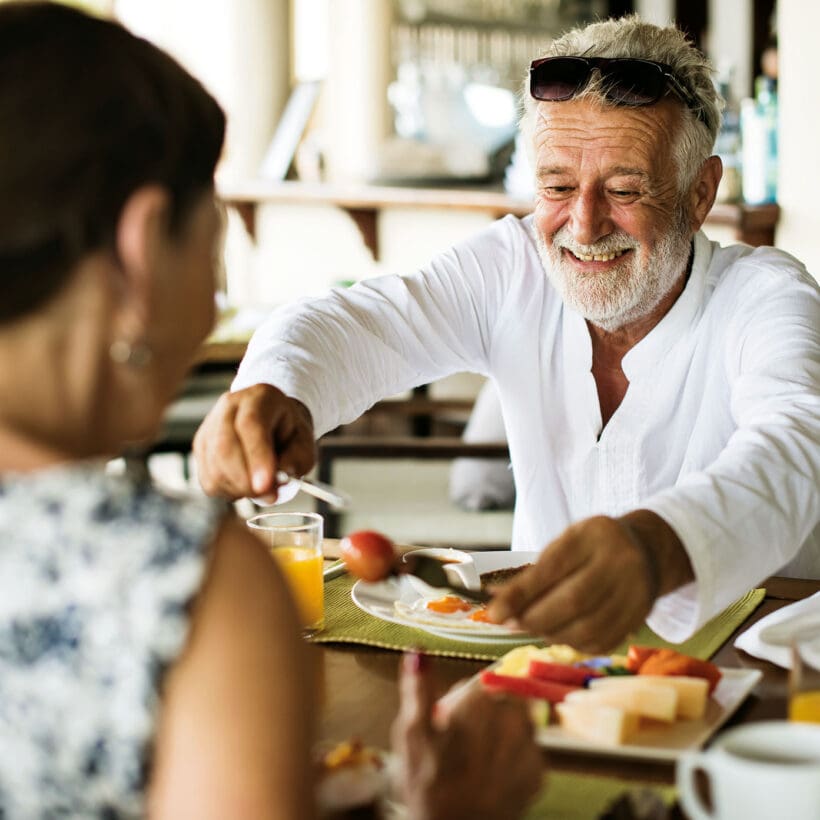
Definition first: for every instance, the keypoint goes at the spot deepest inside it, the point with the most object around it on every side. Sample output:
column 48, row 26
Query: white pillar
column 660, row 12
column 239, row 49
column 356, row 112
column 730, row 41
column 799, row 131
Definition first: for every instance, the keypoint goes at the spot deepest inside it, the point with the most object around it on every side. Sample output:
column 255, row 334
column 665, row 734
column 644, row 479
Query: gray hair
column 632, row 37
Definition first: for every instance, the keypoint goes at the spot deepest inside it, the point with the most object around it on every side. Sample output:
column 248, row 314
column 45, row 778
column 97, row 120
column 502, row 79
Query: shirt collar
column 680, row 317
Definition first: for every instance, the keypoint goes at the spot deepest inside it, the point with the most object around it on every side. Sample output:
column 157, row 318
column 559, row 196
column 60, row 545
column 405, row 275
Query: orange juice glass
column 295, row 542
column 804, row 679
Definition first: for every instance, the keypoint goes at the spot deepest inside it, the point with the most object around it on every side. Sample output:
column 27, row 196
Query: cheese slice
column 655, row 702
column 692, row 693
column 597, row 722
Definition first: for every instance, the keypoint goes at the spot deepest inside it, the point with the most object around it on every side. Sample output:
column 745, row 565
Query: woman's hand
column 477, row 760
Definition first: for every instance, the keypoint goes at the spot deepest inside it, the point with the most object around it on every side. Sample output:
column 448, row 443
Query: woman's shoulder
column 244, row 677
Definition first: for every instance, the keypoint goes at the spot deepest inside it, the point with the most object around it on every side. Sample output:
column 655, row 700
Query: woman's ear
column 141, row 235
column 704, row 191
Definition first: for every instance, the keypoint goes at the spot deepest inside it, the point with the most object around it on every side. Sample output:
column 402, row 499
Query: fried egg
column 449, row 612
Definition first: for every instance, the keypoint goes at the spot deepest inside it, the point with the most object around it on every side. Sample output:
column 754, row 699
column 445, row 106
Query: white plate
column 379, row 599
column 657, row 742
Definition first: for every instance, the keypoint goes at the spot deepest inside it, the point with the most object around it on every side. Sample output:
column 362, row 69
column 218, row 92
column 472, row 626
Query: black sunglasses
column 626, row 80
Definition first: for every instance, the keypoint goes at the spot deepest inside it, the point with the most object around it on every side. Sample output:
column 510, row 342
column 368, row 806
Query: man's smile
column 608, row 256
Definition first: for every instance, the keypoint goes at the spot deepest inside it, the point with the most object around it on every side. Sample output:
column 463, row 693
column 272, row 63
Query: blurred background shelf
column 754, row 224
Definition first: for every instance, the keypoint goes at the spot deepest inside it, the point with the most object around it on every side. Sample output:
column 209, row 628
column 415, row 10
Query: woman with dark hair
column 149, row 652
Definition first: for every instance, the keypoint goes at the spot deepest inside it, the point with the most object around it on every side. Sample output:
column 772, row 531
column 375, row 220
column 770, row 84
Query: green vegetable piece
column 540, row 713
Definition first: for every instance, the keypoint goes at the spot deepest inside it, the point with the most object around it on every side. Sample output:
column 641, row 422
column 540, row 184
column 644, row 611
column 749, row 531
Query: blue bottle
column 758, row 124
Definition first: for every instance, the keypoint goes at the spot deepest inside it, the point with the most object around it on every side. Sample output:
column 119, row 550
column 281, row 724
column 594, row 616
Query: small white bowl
column 459, row 568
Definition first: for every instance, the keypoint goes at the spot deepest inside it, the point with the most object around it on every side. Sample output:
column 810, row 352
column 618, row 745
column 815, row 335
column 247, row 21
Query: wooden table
column 360, row 698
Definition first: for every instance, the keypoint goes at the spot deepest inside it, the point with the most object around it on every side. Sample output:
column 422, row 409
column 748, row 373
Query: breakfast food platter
column 652, row 704
column 663, row 742
column 401, row 601
column 654, row 740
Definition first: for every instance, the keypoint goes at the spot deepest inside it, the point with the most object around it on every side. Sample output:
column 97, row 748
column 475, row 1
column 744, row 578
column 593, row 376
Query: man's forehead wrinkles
column 638, row 154
column 558, row 169
column 623, row 157
column 580, row 135
column 628, row 171
column 581, row 125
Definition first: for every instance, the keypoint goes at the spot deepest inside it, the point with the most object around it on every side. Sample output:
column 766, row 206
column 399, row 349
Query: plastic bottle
column 758, row 124
column 727, row 145
column 766, row 89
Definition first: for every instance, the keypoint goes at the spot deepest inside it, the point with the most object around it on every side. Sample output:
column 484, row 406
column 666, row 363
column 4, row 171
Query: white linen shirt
column 719, row 431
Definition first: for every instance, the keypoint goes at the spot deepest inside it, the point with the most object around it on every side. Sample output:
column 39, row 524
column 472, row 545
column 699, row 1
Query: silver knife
column 433, row 573
column 336, row 569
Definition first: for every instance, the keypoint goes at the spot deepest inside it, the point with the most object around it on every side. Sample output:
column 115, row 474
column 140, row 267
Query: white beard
column 623, row 294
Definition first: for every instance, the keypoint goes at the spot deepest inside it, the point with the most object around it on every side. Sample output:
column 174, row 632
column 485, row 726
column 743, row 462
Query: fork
column 433, row 572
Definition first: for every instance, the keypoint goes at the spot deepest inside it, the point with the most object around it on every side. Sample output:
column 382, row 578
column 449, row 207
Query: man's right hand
column 249, row 436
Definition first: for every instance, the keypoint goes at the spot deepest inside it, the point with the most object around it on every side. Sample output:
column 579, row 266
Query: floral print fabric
column 97, row 575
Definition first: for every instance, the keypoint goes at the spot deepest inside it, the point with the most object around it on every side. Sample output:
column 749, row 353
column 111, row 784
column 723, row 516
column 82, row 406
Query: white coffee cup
column 760, row 771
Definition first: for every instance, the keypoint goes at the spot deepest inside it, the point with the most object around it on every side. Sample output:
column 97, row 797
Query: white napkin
column 770, row 638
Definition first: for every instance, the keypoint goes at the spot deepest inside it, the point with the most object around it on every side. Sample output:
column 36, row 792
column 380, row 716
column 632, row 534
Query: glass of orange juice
column 804, row 679
column 295, row 542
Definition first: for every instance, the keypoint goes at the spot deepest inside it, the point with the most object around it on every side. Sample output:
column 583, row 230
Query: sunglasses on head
column 626, row 80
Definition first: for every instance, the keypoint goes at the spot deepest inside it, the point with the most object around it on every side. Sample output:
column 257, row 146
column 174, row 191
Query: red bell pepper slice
column 561, row 672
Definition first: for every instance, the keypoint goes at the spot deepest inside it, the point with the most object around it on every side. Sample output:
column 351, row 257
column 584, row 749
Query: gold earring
column 136, row 355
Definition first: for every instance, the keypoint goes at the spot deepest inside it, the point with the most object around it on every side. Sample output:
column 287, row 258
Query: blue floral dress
column 97, row 573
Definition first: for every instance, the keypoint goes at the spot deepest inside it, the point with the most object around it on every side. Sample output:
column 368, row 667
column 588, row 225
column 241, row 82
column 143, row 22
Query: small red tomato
column 368, row 555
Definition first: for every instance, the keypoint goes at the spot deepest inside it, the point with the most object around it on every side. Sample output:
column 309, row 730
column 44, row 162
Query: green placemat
column 346, row 623
column 586, row 797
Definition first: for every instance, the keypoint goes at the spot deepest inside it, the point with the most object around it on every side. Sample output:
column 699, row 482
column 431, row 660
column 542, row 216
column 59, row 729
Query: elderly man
column 660, row 392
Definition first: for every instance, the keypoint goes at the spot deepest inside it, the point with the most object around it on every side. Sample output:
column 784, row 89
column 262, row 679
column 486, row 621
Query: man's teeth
column 599, row 257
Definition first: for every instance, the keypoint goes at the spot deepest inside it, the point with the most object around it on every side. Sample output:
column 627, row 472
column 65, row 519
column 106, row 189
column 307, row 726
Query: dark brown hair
column 88, row 113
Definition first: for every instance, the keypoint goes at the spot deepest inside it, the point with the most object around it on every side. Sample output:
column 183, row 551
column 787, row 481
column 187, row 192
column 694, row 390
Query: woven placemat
column 346, row 623
column 568, row 796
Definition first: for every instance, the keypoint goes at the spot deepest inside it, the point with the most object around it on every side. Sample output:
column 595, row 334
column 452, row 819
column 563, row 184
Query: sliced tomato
column 368, row 555
column 526, row 687
column 561, row 672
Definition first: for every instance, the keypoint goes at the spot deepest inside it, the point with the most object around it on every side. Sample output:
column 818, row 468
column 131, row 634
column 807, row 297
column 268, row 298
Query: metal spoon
column 318, row 489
